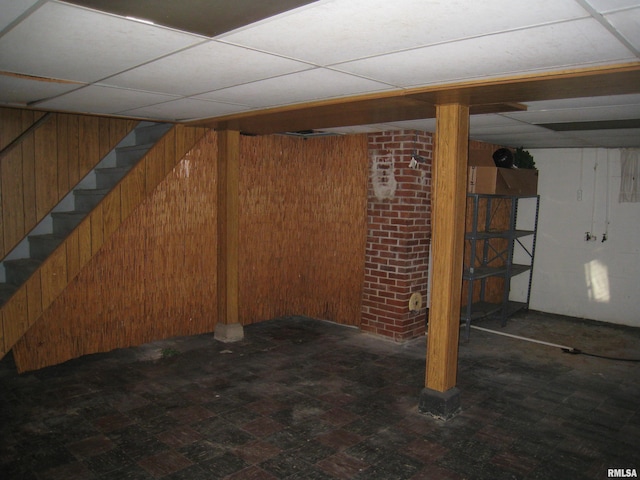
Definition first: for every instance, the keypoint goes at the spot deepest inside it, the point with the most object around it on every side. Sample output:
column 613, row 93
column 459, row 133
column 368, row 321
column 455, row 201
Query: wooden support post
column 228, row 327
column 440, row 396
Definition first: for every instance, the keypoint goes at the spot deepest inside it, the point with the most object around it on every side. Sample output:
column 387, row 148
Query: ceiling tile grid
column 60, row 41
column 23, row 91
column 206, row 67
column 103, row 100
column 59, row 56
column 183, row 109
column 556, row 46
column 331, row 32
column 627, row 22
column 12, row 10
column 305, row 86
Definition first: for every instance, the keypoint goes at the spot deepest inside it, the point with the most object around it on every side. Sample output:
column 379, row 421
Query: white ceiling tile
column 627, row 23
column 534, row 140
column 144, row 70
column 98, row 99
column 204, row 68
column 565, row 45
column 184, row 109
column 12, row 9
column 22, row 91
column 517, row 128
column 67, row 42
column 294, row 88
column 491, row 120
column 617, row 112
column 364, row 28
column 584, row 102
column 624, row 138
column 603, row 6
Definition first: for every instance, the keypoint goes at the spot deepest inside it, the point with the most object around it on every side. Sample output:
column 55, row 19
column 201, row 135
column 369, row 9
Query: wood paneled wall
column 303, row 227
column 82, row 296
column 302, row 240
column 47, row 164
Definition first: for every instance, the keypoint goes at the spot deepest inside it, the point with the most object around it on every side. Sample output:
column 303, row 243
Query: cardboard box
column 485, row 177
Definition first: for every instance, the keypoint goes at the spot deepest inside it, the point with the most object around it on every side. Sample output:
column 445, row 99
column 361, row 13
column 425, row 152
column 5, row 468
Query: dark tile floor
column 306, row 399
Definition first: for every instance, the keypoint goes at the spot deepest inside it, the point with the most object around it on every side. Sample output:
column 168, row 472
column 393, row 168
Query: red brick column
column 399, row 232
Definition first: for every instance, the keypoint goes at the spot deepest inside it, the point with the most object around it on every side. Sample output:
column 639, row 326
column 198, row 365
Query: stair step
column 6, row 291
column 18, row 271
column 129, row 156
column 108, row 177
column 151, row 133
column 41, row 246
column 65, row 222
column 86, row 199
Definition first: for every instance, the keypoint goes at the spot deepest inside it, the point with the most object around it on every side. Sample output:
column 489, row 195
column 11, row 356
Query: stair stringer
column 32, row 299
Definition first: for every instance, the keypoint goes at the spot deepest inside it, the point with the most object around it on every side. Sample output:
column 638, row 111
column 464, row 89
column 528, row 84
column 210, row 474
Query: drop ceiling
column 341, row 66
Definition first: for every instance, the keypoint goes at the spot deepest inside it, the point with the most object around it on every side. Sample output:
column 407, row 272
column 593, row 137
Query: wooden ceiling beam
column 486, row 96
column 611, row 80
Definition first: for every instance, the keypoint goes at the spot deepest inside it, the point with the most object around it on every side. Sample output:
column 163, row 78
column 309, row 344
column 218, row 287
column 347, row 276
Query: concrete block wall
column 398, row 236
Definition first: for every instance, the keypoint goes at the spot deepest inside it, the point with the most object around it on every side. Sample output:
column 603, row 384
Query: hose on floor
column 564, row 348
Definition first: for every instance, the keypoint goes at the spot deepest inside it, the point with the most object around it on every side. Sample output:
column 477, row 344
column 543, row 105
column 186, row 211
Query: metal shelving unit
column 486, row 260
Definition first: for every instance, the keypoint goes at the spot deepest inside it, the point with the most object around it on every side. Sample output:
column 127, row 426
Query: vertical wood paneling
column 62, row 137
column 29, row 177
column 111, row 212
column 47, row 164
column 89, row 144
column 72, row 245
column 54, row 275
column 302, row 247
column 84, row 241
column 46, row 168
column 73, row 146
column 154, row 167
column 33, row 288
column 104, row 136
column 154, row 287
column 12, row 198
column 16, row 317
column 97, row 229
column 303, row 227
column 10, row 125
column 132, row 189
column 169, row 151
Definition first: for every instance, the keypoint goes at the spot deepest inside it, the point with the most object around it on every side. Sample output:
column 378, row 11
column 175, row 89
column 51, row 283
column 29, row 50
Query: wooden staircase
column 53, row 253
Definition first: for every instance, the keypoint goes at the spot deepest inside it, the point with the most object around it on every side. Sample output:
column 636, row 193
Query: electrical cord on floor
column 564, row 348
column 575, row 351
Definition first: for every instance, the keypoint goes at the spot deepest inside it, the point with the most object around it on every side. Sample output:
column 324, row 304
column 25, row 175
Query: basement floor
column 307, row 399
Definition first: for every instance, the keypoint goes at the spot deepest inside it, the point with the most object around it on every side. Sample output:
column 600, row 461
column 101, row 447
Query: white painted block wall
column 594, row 280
